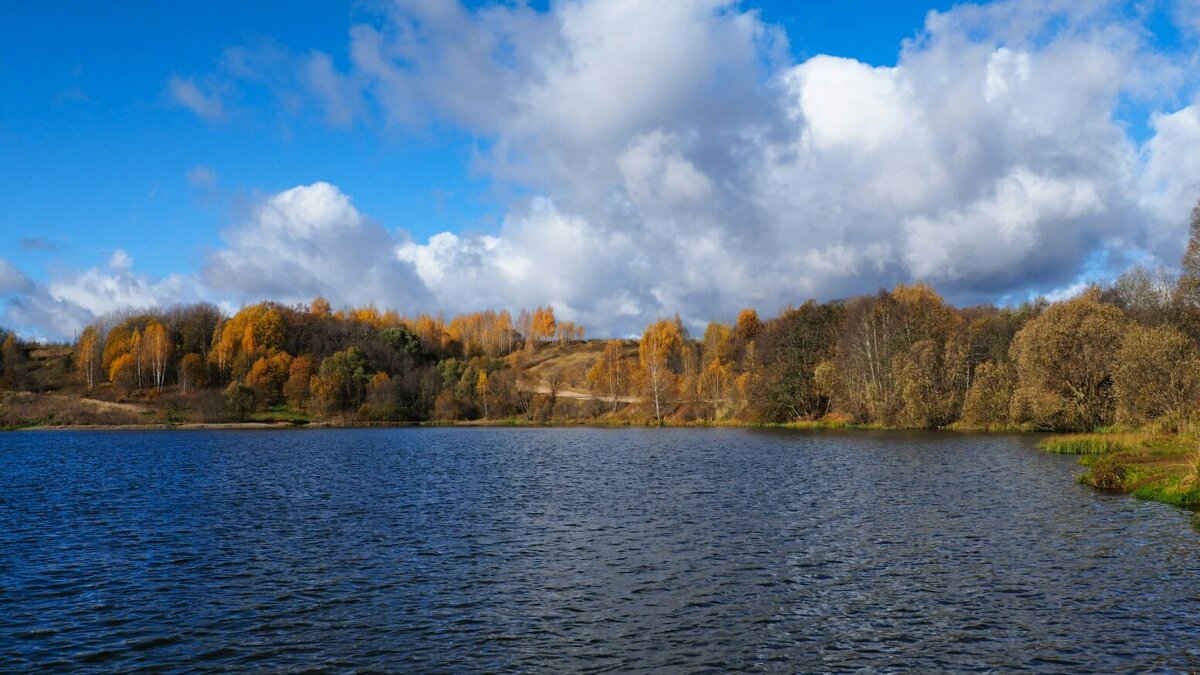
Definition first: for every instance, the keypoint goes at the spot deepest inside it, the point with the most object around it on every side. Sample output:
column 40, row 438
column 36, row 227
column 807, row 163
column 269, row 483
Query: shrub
column 1106, row 473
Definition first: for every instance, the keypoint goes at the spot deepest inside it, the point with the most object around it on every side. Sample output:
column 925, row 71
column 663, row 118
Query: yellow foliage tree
column 610, row 375
column 88, row 356
column 320, row 308
column 1065, row 360
column 158, row 348
column 482, row 391
column 1157, row 375
column 192, row 372
column 659, row 345
column 299, row 375
column 268, row 375
column 123, row 373
column 544, row 325
column 748, row 325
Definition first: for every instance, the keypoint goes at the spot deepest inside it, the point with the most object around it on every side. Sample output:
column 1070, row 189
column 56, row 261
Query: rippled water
column 578, row 549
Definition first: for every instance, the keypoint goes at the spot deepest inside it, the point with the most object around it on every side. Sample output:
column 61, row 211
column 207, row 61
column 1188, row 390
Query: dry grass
column 25, row 409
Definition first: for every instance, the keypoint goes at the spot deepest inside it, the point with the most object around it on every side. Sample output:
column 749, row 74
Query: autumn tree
column 1189, row 277
column 928, row 376
column 543, row 324
column 12, row 356
column 482, row 391
column 988, row 334
column 610, row 375
column 748, row 325
column 123, row 374
column 137, row 351
column 990, row 394
column 1065, row 360
column 568, row 333
column 878, row 344
column 88, row 356
column 300, row 373
column 660, row 344
column 193, row 374
column 251, row 333
column 220, row 353
column 326, row 392
column 320, row 308
column 1157, row 375
column 431, row 331
column 347, row 370
column 717, row 343
column 792, row 346
column 158, row 348
column 268, row 375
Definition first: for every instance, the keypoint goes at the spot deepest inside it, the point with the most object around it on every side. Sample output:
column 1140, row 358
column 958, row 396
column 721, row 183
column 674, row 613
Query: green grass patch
column 1152, row 466
column 1173, row 492
column 30, row 424
column 1090, row 444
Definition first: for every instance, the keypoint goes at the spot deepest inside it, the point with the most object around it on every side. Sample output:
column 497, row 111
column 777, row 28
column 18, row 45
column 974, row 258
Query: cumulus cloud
column 674, row 157
column 541, row 256
column 62, row 306
column 308, row 241
column 1170, row 177
column 991, row 159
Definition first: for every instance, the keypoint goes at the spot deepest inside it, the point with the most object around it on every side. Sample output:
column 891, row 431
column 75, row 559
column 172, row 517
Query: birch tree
column 659, row 345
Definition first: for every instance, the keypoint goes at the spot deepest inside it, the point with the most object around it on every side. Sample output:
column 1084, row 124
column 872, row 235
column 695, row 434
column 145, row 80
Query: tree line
column 1127, row 352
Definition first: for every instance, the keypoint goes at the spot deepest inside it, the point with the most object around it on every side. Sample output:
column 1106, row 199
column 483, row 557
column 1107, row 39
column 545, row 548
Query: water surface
column 580, row 549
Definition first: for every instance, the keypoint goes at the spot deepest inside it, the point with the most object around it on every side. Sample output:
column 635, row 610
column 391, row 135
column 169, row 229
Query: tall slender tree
column 659, row 345
column 88, row 356
column 158, row 348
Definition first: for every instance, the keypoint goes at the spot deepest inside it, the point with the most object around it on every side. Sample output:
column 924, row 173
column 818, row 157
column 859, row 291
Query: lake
column 463, row 549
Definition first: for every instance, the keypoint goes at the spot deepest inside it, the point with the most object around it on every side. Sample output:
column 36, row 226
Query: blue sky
column 98, row 154
column 167, row 131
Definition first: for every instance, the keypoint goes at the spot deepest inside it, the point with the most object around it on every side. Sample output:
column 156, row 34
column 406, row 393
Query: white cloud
column 989, row 159
column 61, row 307
column 294, row 245
column 1187, row 15
column 308, row 241
column 675, row 159
column 679, row 161
column 1170, row 178
column 992, row 238
column 120, row 261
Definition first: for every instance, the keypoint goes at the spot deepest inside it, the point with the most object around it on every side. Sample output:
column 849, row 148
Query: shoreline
column 500, row 424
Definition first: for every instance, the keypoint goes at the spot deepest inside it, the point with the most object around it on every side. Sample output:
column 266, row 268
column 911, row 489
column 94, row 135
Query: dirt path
column 583, row 395
column 105, row 406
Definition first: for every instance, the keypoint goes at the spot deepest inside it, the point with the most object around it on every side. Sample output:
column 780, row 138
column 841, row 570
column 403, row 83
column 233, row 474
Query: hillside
column 49, row 393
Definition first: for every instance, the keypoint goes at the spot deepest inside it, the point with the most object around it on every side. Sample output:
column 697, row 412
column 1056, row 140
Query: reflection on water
column 557, row 549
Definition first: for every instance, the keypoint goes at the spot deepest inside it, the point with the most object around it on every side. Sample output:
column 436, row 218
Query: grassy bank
column 1152, row 466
